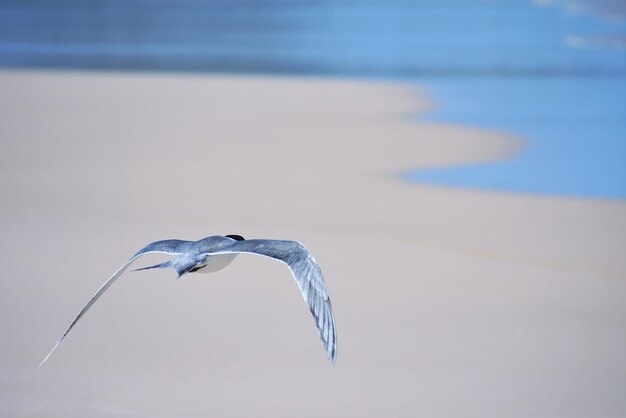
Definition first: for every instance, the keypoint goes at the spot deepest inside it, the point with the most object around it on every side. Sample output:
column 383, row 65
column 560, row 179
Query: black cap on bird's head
column 236, row 237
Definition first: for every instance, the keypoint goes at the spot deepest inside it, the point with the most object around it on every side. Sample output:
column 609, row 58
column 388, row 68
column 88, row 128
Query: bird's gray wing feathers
column 307, row 274
column 168, row 247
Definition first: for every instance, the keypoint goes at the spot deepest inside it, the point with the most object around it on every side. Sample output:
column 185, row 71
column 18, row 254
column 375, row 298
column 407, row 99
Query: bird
column 215, row 252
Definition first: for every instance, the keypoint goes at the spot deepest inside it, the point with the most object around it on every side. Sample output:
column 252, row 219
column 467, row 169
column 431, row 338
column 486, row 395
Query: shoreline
column 570, row 150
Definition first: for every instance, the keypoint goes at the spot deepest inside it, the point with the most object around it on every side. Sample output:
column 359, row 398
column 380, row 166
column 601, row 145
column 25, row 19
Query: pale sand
column 449, row 303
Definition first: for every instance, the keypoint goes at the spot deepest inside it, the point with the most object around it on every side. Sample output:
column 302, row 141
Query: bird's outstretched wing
column 172, row 247
column 307, row 274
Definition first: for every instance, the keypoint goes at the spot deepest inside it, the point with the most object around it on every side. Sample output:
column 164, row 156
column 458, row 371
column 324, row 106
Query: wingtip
column 43, row 361
column 332, row 356
column 50, row 353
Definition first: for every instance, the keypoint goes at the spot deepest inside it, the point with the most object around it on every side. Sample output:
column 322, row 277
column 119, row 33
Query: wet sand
column 448, row 302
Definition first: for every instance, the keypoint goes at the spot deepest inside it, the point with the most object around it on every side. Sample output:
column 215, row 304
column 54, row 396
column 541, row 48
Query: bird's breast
column 216, row 262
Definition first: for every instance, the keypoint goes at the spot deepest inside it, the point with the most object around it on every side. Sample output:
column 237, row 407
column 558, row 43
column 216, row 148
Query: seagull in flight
column 213, row 253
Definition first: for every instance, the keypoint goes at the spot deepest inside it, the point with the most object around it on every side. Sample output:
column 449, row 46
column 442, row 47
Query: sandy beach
column 449, row 302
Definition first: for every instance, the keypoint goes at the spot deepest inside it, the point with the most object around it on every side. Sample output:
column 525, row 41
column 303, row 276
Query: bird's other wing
column 172, row 247
column 307, row 274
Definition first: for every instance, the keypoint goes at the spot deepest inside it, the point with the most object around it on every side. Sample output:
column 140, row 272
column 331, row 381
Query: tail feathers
column 156, row 266
column 180, row 268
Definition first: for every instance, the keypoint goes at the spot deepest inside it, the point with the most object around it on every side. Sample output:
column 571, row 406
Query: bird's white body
column 215, row 263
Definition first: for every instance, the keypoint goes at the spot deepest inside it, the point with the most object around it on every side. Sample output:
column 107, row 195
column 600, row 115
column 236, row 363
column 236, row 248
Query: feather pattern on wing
column 307, row 275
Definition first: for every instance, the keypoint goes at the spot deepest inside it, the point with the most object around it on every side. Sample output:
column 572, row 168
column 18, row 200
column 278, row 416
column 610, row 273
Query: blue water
column 575, row 128
column 552, row 74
